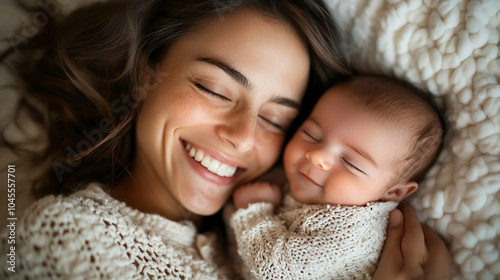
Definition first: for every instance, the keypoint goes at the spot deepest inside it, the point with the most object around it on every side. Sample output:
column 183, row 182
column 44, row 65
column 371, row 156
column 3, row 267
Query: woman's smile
column 212, row 167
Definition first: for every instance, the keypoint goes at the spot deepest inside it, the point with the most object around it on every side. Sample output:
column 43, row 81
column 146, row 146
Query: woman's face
column 215, row 114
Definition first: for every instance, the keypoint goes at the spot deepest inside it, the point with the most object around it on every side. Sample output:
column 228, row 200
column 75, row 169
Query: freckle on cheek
column 265, row 139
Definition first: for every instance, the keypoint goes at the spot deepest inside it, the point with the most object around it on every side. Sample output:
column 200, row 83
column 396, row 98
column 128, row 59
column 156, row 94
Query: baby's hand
column 257, row 192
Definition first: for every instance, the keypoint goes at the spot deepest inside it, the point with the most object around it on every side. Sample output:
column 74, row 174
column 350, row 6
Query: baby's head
column 368, row 139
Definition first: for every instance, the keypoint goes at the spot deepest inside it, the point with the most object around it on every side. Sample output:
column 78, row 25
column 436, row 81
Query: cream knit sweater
column 90, row 235
column 310, row 241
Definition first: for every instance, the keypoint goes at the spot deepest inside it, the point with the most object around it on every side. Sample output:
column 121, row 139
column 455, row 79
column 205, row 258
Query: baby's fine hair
column 398, row 101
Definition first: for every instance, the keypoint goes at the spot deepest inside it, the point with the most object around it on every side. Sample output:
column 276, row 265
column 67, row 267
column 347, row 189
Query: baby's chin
column 304, row 197
column 300, row 194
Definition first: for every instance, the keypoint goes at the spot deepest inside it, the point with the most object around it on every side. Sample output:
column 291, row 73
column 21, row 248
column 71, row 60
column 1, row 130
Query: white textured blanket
column 449, row 48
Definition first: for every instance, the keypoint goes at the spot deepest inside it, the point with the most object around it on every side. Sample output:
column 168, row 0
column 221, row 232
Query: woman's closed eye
column 214, row 94
column 207, row 90
column 276, row 118
column 276, row 127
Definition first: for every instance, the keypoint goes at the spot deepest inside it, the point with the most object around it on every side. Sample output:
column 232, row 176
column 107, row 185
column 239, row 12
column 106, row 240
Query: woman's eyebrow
column 242, row 80
column 286, row 102
column 229, row 70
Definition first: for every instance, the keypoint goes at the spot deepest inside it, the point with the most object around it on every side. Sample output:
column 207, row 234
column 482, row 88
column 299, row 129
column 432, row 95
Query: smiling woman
column 197, row 96
column 152, row 113
column 217, row 100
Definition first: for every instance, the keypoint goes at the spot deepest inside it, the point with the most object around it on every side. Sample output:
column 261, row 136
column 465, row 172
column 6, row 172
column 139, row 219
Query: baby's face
column 343, row 154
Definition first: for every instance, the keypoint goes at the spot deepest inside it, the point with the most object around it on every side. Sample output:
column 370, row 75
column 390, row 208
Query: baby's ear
column 400, row 191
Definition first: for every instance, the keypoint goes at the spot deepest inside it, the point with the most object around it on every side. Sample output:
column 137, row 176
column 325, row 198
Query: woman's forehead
column 267, row 54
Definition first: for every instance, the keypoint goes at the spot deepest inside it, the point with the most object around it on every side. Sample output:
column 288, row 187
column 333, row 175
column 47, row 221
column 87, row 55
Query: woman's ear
column 400, row 191
column 150, row 77
column 146, row 83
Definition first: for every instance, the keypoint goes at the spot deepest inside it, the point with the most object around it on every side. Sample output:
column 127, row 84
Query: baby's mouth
column 310, row 179
column 211, row 164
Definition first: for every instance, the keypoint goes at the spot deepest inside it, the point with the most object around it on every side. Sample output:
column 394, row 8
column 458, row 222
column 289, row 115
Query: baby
column 364, row 148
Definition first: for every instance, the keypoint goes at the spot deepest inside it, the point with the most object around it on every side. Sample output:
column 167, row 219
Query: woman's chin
column 206, row 206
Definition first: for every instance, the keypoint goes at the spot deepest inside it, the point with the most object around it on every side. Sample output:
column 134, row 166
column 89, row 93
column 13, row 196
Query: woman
column 168, row 105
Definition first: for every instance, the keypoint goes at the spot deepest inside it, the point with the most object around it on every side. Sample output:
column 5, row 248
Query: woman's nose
column 239, row 131
column 319, row 158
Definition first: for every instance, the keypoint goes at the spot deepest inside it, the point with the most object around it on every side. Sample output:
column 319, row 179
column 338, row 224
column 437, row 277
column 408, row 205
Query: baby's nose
column 320, row 159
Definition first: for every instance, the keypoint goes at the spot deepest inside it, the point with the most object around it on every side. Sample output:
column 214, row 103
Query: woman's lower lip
column 209, row 176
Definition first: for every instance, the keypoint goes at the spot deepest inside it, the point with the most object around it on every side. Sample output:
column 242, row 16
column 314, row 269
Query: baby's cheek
column 290, row 156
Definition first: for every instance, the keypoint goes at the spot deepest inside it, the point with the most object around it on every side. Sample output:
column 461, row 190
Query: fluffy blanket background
column 449, row 48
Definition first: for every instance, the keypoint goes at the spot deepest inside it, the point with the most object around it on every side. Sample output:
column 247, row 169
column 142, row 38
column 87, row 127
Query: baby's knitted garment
column 311, row 241
column 90, row 235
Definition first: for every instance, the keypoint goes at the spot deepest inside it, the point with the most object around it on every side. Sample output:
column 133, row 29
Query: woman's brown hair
column 81, row 76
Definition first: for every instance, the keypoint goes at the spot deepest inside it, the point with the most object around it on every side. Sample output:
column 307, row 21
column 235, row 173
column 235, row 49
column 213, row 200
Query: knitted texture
column 90, row 235
column 311, row 241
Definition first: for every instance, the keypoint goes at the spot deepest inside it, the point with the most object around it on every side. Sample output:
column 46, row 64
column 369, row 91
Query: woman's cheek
column 270, row 146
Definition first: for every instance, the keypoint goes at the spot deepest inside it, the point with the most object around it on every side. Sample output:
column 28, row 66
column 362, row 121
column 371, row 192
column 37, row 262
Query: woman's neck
column 148, row 196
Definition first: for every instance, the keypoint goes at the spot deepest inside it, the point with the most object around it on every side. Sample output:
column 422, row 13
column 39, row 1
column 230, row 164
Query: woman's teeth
column 211, row 164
